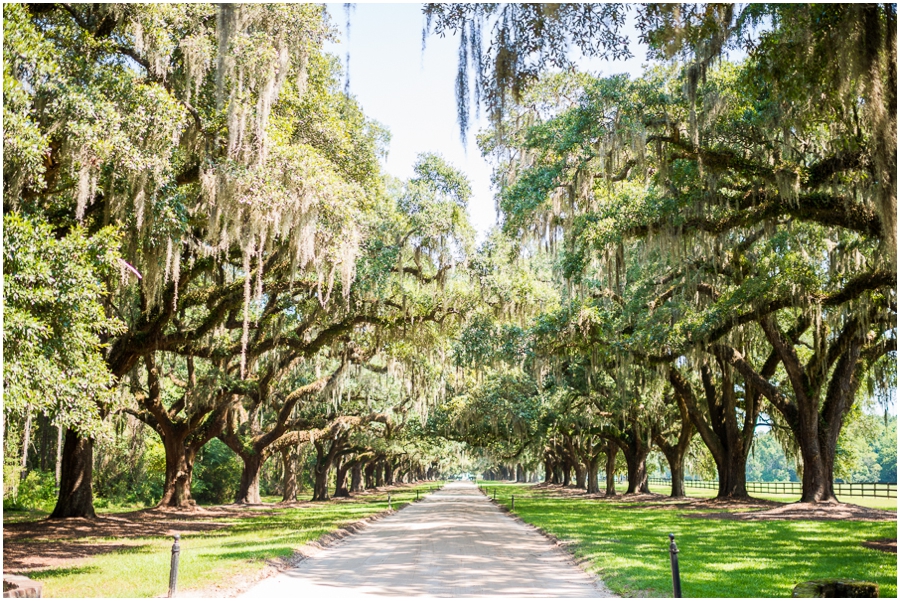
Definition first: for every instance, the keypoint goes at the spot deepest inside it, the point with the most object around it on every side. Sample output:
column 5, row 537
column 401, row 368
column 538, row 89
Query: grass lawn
column 626, row 544
column 209, row 558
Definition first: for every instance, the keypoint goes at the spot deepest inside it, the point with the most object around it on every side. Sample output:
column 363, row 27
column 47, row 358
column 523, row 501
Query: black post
column 390, row 507
column 417, row 494
column 512, row 503
column 173, row 571
column 676, row 576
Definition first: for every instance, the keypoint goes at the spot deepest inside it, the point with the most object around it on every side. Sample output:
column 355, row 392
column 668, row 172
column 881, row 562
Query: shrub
column 36, row 491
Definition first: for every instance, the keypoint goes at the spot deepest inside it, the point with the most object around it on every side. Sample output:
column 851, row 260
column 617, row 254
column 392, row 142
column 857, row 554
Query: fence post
column 676, row 576
column 390, row 507
column 173, row 570
column 512, row 503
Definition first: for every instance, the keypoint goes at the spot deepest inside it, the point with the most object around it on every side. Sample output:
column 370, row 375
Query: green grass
column 626, row 544
column 209, row 558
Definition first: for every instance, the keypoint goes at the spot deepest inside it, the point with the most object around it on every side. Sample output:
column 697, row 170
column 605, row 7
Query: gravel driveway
column 454, row 543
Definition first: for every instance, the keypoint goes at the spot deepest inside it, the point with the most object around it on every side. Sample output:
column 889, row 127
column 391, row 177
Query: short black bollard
column 495, row 494
column 676, row 576
column 390, row 507
column 173, row 571
column 417, row 494
column 512, row 503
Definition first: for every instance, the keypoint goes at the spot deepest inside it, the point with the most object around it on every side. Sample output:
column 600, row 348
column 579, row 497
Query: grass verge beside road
column 626, row 544
column 217, row 553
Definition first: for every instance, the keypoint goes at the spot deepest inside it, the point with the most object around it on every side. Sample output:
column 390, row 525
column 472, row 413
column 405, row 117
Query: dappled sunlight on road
column 453, row 543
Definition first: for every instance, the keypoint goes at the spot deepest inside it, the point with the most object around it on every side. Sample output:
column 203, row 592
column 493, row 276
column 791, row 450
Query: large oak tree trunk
column 733, row 473
column 179, row 472
column 75, row 497
column 388, row 472
column 289, row 477
column 248, row 491
column 593, row 483
column 635, row 449
column 580, row 475
column 369, row 473
column 675, row 452
column 340, row 479
column 356, row 478
column 612, row 449
column 379, row 474
column 320, row 487
column 557, row 473
column 636, row 460
column 676, row 467
column 727, row 440
column 324, row 461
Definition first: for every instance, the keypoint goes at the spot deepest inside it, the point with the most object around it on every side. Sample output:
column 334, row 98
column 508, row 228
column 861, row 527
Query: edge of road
column 560, row 545
column 307, row 551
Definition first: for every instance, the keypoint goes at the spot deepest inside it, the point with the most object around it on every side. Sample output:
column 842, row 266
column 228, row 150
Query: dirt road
column 454, row 543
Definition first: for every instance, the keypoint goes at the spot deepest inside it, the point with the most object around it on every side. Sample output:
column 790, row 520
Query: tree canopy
column 203, row 252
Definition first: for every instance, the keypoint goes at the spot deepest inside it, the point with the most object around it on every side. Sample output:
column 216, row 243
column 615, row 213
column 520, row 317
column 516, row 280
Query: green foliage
column 867, row 449
column 36, row 492
column 130, row 468
column 768, row 463
column 55, row 320
column 217, row 472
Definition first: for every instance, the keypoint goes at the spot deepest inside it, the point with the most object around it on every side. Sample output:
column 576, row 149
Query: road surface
column 453, row 543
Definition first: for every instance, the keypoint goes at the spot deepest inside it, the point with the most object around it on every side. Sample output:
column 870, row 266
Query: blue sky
column 412, row 92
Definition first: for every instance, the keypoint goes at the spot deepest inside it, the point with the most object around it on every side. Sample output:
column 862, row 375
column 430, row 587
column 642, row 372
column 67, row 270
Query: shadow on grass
column 254, row 554
column 36, row 555
column 63, row 572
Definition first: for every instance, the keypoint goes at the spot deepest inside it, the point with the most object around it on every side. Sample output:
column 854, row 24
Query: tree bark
column 26, row 442
column 320, row 472
column 75, row 497
column 566, row 472
column 356, row 478
column 379, row 474
column 248, row 491
column 340, row 479
column 675, row 453
column 369, row 473
column 635, row 448
column 593, row 482
column 580, row 474
column 558, row 473
column 59, row 453
column 320, row 486
column 179, row 472
column 727, row 440
column 636, row 460
column 612, row 450
column 289, row 477
column 388, row 472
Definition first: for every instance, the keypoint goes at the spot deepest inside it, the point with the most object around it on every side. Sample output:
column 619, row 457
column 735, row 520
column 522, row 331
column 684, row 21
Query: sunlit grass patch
column 626, row 544
column 212, row 558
